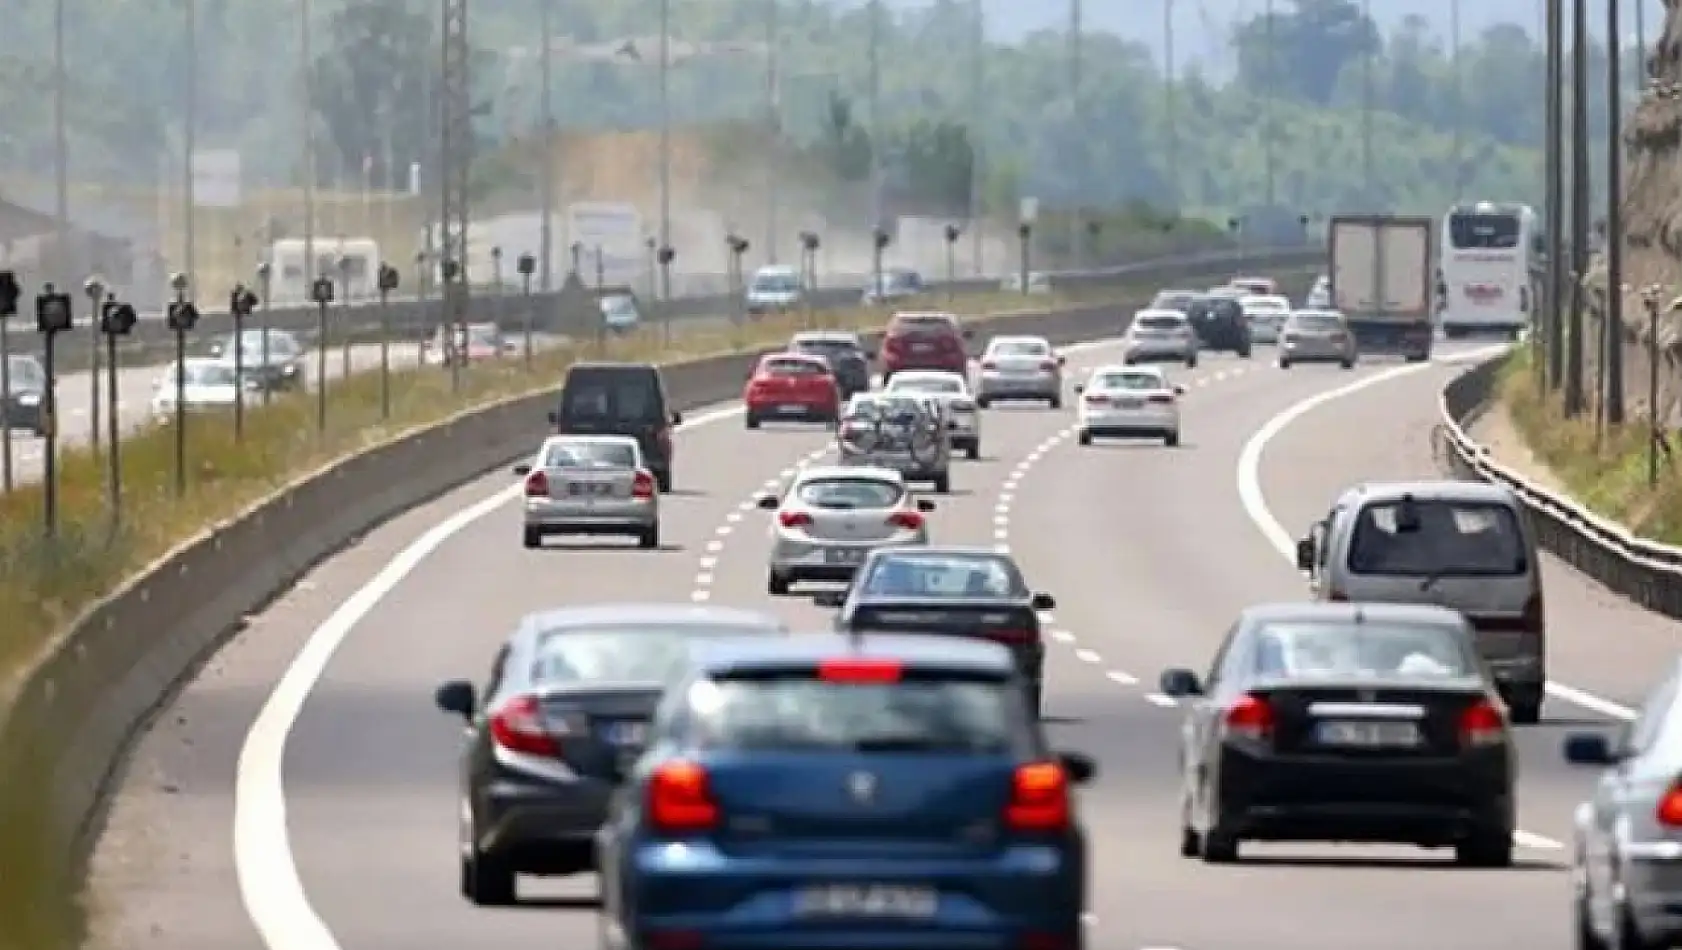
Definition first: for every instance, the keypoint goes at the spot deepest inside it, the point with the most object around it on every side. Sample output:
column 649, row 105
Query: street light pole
column 774, row 119
column 306, row 66
column 665, row 142
column 1555, row 161
column 190, row 138
column 546, row 183
column 875, row 105
column 1614, row 317
column 1169, row 103
column 1459, row 106
column 1270, row 100
column 977, row 111
column 1366, row 112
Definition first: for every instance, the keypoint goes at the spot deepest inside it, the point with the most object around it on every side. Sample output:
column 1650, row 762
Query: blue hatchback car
column 832, row 792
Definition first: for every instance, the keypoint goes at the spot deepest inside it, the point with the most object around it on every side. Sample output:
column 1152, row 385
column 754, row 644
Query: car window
column 1217, row 666
column 207, row 374
column 824, row 347
column 804, row 713
column 777, row 283
column 945, row 385
column 1316, row 321
column 24, row 371
column 1161, row 322
column 943, row 575
column 619, row 396
column 610, row 656
column 1129, row 382
column 591, row 454
column 793, row 367
column 845, row 493
column 1019, row 348
column 924, row 324
column 1312, row 650
column 1428, row 538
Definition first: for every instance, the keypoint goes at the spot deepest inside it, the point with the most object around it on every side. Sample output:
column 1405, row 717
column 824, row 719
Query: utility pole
column 665, row 142
column 1614, row 316
column 1077, row 112
column 1580, row 225
column 875, row 106
column 189, row 200
column 61, row 160
column 455, row 159
column 306, row 79
column 774, row 123
column 1459, row 105
column 977, row 122
column 546, row 180
column 1271, row 99
column 1553, row 154
column 1367, row 195
column 1169, row 101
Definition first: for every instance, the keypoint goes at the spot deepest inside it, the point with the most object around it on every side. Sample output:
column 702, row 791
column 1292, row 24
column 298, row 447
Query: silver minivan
column 1463, row 545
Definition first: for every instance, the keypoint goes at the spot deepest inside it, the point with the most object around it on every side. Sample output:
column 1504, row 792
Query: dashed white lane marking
column 706, row 573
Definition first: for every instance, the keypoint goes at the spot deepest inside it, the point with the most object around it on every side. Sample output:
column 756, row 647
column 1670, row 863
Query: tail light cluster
column 1669, row 811
column 909, row 520
column 1482, row 725
column 1160, row 399
column 537, row 485
column 1039, row 799
column 794, row 519
column 680, row 800
column 1251, row 717
column 518, row 727
column 1097, row 399
column 643, row 485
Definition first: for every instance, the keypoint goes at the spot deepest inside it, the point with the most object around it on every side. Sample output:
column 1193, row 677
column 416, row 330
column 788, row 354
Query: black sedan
column 1346, row 722
column 26, row 385
column 967, row 592
column 566, row 711
column 269, row 359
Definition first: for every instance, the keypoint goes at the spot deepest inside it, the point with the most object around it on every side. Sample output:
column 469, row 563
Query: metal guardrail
column 1645, row 571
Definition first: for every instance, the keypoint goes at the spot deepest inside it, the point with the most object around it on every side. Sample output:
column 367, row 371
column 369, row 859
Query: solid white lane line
column 1255, row 502
column 1122, row 679
column 1088, row 656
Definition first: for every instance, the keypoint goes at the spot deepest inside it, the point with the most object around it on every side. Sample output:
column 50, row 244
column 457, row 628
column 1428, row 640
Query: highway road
column 1150, row 551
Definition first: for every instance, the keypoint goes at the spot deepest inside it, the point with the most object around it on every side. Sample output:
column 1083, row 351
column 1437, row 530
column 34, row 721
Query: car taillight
column 537, row 485
column 518, row 727
column 909, row 520
column 1534, row 618
column 1097, row 399
column 643, row 485
column 1014, row 635
column 1047, row 366
column 794, row 519
column 1250, row 717
column 861, row 671
column 1669, row 812
column 1039, row 798
column 1161, row 399
column 680, row 799
column 989, row 364
column 1482, row 725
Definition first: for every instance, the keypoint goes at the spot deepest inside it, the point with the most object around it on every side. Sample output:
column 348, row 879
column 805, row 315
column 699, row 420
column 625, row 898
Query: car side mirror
column 1079, row 766
column 829, row 598
column 1043, row 601
column 767, row 502
column 457, row 697
column 1179, row 683
column 677, row 418
column 523, row 469
column 1307, row 551
column 925, row 506
column 1062, row 360
column 1588, row 748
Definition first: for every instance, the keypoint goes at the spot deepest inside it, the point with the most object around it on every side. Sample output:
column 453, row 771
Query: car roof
column 927, row 374
column 1435, row 490
column 774, row 270
column 1251, row 300
column 601, row 616
column 814, row 473
column 927, row 651
column 940, row 550
column 590, row 367
column 1317, row 312
column 1018, row 338
column 824, row 336
column 1352, row 613
column 793, row 358
column 925, row 315
column 1158, row 312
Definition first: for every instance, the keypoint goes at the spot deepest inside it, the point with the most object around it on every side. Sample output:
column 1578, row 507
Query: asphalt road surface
column 1150, row 551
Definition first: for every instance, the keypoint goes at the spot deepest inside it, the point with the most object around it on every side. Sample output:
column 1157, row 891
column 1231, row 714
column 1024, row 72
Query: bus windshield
column 1471, row 231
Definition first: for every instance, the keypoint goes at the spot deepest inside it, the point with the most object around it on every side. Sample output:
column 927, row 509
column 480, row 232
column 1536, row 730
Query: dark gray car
column 564, row 713
column 22, row 406
column 270, row 359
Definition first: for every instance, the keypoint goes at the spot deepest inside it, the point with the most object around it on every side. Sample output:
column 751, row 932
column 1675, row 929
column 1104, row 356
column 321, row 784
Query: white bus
column 1489, row 251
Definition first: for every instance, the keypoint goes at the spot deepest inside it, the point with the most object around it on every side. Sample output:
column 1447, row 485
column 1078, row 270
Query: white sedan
column 952, row 390
column 206, row 383
column 1129, row 402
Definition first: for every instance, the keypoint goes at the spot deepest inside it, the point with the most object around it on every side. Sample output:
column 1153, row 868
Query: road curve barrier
column 1644, row 571
column 66, row 726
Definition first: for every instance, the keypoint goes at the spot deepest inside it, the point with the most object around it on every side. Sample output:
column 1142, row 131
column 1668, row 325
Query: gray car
column 592, row 485
column 269, row 359
column 910, row 434
column 831, row 517
column 21, row 407
column 1160, row 336
column 566, row 711
column 1019, row 367
column 1627, row 838
column 1316, row 336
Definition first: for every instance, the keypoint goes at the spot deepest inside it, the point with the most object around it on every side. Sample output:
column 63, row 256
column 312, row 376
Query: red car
column 791, row 387
column 924, row 341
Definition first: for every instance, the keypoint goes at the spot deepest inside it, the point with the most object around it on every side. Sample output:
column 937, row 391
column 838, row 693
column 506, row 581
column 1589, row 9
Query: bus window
column 1471, row 231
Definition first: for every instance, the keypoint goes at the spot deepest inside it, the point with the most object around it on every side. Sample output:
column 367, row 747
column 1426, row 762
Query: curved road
column 1150, row 552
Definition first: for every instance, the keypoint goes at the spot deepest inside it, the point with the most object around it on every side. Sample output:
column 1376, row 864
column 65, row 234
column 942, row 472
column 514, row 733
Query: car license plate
column 791, row 409
column 1367, row 735
column 922, row 347
column 844, row 556
column 625, row 733
column 874, row 901
column 1129, row 403
column 590, row 489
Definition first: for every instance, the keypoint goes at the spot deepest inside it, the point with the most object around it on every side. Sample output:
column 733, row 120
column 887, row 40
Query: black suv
column 845, row 354
column 621, row 399
column 1219, row 322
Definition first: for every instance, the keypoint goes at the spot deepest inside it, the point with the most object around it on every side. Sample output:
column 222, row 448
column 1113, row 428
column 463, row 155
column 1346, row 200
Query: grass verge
column 1604, row 469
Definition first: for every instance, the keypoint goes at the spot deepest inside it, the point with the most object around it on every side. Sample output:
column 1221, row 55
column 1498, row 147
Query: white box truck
column 1382, row 273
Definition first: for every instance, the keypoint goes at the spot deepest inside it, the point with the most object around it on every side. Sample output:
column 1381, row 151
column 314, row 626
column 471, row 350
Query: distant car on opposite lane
column 271, row 359
column 208, row 384
column 897, row 284
column 26, row 381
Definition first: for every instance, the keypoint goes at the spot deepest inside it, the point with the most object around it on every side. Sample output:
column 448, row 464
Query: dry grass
column 1605, row 471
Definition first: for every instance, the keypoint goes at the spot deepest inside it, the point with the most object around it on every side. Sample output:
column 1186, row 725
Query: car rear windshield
column 1429, row 538
column 924, row 325
column 938, row 576
column 786, row 367
column 611, row 656
column 1134, row 382
column 1362, row 650
column 1163, row 322
column 802, row 713
column 1019, row 348
column 1173, row 300
column 24, row 371
column 824, row 347
column 1316, row 321
column 632, row 396
column 841, row 494
column 926, row 384
column 592, row 454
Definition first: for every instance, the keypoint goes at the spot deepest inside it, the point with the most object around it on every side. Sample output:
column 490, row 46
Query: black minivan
column 620, row 399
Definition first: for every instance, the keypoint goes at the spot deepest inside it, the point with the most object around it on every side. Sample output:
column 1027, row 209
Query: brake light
column 794, row 519
column 1161, row 399
column 1669, row 812
column 680, row 799
column 1534, row 617
column 518, row 727
column 1482, row 725
column 1250, row 717
column 1047, row 366
column 643, row 486
column 1039, row 798
column 537, row 485
column 909, row 520
column 1097, row 399
column 860, row 671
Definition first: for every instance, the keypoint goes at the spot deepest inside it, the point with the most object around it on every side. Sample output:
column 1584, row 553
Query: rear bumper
column 1003, row 386
column 1433, row 801
column 797, row 560
column 907, row 365
column 1652, row 877
column 1159, row 352
column 740, row 901
column 1316, row 353
column 793, row 410
column 540, row 827
column 1121, row 423
column 607, row 519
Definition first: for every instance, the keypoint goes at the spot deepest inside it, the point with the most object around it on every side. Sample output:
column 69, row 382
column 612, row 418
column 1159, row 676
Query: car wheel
column 973, row 451
column 1526, row 708
column 1056, row 402
column 943, row 484
column 487, row 882
column 1084, row 438
column 777, row 585
column 649, row 537
column 1284, row 363
column 1218, row 847
column 663, row 481
column 1036, row 702
column 1191, row 843
column 750, row 420
column 532, row 538
column 1244, row 353
column 1171, row 439
column 1486, row 849
column 1191, row 362
column 982, row 402
column 1348, row 364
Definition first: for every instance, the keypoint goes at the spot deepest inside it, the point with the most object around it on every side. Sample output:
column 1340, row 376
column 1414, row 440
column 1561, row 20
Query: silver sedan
column 1316, row 336
column 830, row 517
column 590, row 485
column 1160, row 336
column 1020, row 367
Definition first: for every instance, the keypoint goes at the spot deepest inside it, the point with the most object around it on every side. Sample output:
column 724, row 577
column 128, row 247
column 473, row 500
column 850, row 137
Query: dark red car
column 791, row 387
column 930, row 340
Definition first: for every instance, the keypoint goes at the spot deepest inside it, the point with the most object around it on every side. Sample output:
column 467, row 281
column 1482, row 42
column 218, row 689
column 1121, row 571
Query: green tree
column 370, row 90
